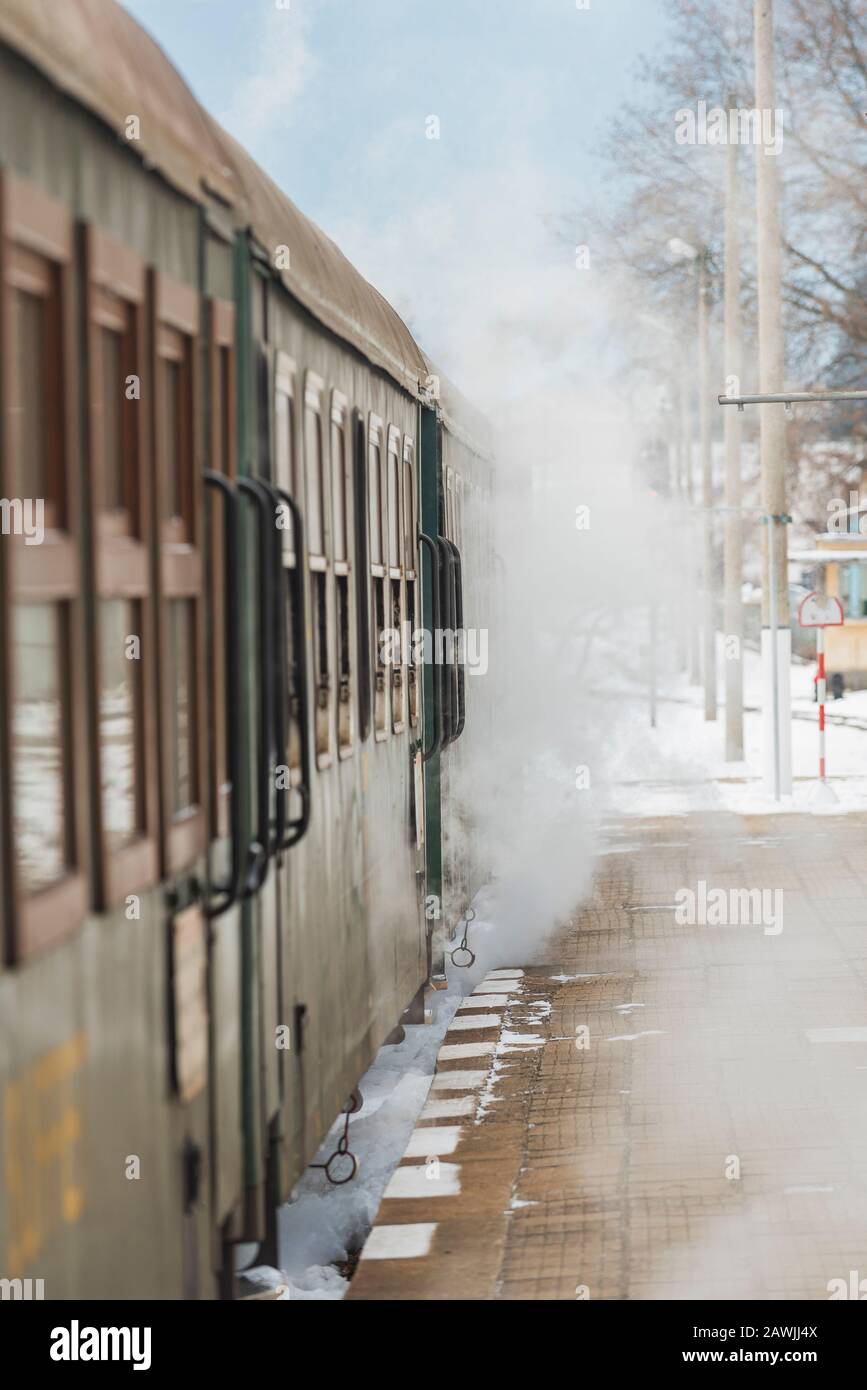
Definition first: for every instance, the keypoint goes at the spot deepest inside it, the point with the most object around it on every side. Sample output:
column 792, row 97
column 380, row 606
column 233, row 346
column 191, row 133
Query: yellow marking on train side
column 43, row 1130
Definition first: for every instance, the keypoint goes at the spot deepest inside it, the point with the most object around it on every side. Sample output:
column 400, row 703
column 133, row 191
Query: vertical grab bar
column 433, row 552
column 230, row 891
column 449, row 678
column 262, row 848
column 459, row 626
column 277, row 663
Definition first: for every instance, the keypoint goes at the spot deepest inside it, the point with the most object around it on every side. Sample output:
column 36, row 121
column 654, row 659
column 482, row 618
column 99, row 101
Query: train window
column 175, row 426
column 374, row 496
column 410, row 544
column 112, row 342
column 221, row 458
column 284, row 438
column 393, row 498
column 43, row 739
column 338, row 477
column 362, row 573
column 40, row 743
column 35, row 457
column 125, row 810
column 395, row 580
column 314, row 474
column 286, row 476
column 181, row 733
column 375, row 508
column 315, row 486
column 450, row 504
column 341, row 492
column 176, row 312
column 121, row 734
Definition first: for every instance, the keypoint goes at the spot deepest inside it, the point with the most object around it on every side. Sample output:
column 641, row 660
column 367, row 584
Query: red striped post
column 821, row 611
column 820, row 695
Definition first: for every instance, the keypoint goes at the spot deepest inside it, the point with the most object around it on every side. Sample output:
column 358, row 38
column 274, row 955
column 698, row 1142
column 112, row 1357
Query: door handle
column 432, row 549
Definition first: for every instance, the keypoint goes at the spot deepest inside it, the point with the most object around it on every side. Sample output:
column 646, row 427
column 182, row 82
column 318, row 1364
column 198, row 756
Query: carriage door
column 227, row 852
column 431, row 677
column 183, row 800
column 413, row 655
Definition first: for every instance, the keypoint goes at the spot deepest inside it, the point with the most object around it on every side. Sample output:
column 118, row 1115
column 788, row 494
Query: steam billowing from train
column 519, row 322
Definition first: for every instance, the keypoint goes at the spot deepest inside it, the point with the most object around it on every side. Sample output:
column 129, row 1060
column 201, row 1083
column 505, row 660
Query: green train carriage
column 220, row 813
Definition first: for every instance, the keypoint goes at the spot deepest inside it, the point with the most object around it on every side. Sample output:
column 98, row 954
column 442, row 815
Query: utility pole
column 691, row 614
column 733, row 551
column 776, row 634
column 704, row 402
column 686, row 430
column 675, row 447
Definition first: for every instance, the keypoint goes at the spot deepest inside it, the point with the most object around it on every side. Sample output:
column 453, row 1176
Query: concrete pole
column 777, row 637
column 704, row 405
column 733, row 551
column 686, row 430
column 652, row 662
column 671, row 440
column 680, row 626
column 691, row 606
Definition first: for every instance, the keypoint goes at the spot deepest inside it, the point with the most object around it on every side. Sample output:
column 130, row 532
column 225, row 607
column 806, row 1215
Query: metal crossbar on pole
column 793, row 398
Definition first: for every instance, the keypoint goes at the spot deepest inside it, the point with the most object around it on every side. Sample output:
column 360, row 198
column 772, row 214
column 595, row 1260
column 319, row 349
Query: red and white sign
column 817, row 610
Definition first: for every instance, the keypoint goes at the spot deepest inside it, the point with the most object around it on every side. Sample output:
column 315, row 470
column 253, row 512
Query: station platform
column 658, row 1109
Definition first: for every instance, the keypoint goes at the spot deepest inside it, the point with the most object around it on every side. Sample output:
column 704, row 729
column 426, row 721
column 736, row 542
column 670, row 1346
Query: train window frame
column 175, row 328
column 37, row 255
column 364, row 683
column 450, row 504
column 397, row 604
column 319, row 576
column 222, row 427
column 343, row 567
column 288, row 477
column 375, row 504
column 121, row 547
column 288, row 474
column 409, row 527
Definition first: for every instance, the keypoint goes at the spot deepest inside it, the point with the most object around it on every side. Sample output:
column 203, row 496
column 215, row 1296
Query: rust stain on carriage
column 43, row 1128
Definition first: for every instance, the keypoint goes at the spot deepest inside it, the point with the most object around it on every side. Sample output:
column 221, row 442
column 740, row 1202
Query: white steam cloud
column 505, row 308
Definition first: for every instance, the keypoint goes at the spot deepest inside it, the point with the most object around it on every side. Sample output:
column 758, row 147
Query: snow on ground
column 680, row 765
column 324, row 1224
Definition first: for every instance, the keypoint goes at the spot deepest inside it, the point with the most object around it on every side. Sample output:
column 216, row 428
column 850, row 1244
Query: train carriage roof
column 101, row 57
column 320, row 276
column 460, row 416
